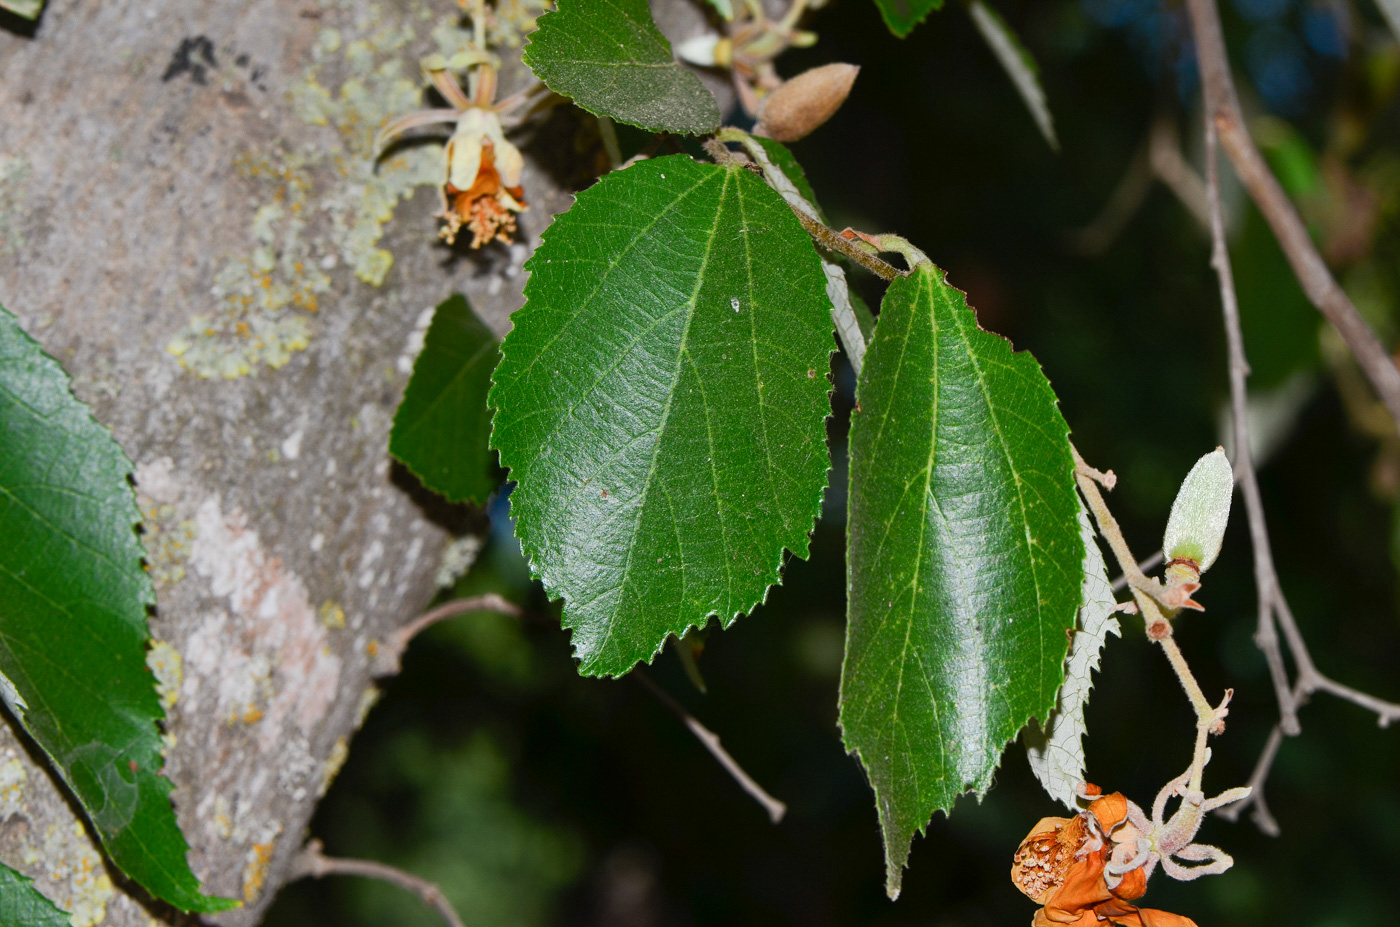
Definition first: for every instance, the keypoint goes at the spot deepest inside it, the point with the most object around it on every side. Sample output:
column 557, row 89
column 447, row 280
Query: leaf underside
column 903, row 15
column 661, row 403
column 73, row 600
column 442, row 428
column 609, row 58
column 964, row 562
column 21, row 905
column 1055, row 750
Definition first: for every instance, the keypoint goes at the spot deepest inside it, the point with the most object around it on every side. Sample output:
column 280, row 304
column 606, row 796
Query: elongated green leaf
column 29, row 9
column 1055, row 749
column 903, row 15
column 73, row 600
column 661, row 403
column 609, row 58
column 965, row 559
column 1018, row 64
column 442, row 429
column 21, row 905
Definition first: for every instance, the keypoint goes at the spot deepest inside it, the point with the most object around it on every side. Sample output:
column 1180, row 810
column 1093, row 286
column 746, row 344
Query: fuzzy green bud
column 1202, row 507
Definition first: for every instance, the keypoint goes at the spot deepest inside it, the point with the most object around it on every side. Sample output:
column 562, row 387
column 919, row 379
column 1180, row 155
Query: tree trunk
column 190, row 222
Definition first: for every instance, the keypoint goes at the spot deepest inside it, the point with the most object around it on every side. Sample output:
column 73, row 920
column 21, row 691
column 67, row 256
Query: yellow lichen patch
column 75, row 878
column 263, row 297
column 255, row 873
column 12, row 778
column 332, row 615
column 165, row 663
column 14, row 174
column 223, row 818
column 167, row 543
column 339, row 751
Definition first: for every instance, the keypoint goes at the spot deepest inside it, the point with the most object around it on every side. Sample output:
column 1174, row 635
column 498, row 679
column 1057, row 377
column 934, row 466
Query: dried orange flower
column 1089, row 869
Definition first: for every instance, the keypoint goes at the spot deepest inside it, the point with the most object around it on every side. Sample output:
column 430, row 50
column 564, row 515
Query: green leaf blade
column 964, row 561
column 73, row 600
column 609, row 58
column 442, row 428
column 661, row 403
column 21, row 904
column 29, row 9
column 903, row 15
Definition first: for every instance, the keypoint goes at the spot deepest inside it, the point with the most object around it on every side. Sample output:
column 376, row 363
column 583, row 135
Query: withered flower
column 1071, row 867
column 481, row 188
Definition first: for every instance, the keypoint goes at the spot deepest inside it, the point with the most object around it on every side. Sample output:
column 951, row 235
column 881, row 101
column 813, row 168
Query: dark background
column 537, row 797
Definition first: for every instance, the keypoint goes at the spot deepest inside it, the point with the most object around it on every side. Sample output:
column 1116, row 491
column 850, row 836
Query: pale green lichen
column 265, row 297
column 167, row 543
column 317, row 208
column 169, row 670
column 12, row 779
column 75, row 878
column 14, row 175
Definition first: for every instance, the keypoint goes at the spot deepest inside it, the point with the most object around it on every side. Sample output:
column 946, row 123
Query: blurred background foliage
column 535, row 797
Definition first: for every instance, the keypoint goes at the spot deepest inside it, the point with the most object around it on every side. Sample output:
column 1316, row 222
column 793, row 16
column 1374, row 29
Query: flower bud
column 802, row 104
column 1202, row 507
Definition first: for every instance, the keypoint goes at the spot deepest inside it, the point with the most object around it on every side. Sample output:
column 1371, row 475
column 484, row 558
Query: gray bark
column 162, row 176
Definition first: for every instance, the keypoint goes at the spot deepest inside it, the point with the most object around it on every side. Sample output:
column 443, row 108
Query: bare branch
column 710, row 739
column 388, row 659
column 311, row 861
column 1272, row 604
column 1223, row 111
column 1265, row 578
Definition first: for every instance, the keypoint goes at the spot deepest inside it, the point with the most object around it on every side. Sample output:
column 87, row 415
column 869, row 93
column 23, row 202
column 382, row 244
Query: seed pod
column 805, row 102
column 1202, row 507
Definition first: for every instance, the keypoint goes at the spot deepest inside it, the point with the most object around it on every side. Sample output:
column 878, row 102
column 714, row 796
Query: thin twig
column 1168, row 165
column 1223, row 109
column 1273, row 608
column 1209, row 717
column 389, row 656
column 1265, row 577
column 311, row 861
column 710, row 740
column 1151, row 563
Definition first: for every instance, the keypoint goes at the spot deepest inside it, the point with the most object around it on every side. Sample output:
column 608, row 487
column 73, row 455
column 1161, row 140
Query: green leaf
column 1018, row 64
column 73, row 600
column 661, row 402
column 965, row 559
column 29, row 9
column 609, row 57
column 1055, row 750
column 903, row 15
column 21, row 905
column 442, row 428
column 783, row 160
column 724, row 8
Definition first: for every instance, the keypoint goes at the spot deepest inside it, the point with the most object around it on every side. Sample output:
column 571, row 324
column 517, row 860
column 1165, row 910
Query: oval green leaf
column 965, row 557
column 609, row 57
column 73, row 600
column 442, row 428
column 661, row 403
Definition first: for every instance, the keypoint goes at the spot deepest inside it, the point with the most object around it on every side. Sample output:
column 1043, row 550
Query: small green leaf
column 1196, row 526
column 661, row 402
column 21, row 905
column 1018, row 64
column 29, row 9
column 443, row 428
column 724, row 8
column 965, row 559
column 1055, row 750
column 609, row 57
column 903, row 15
column 73, row 600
